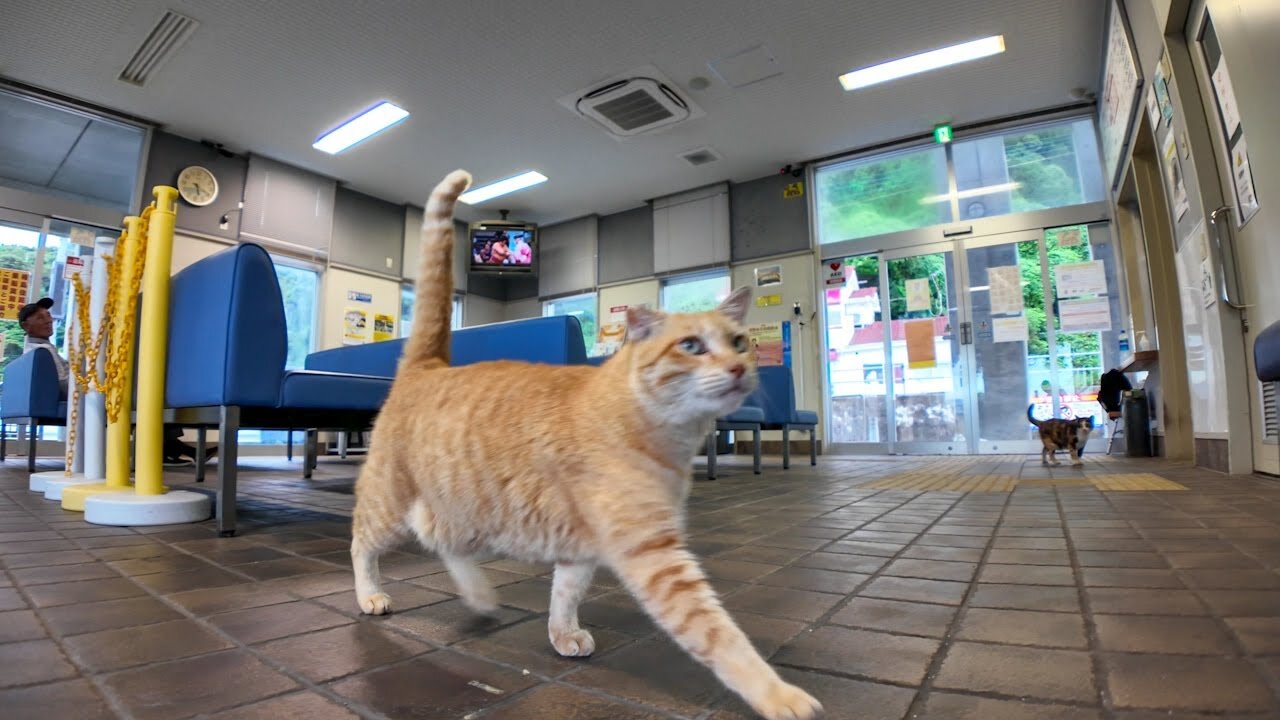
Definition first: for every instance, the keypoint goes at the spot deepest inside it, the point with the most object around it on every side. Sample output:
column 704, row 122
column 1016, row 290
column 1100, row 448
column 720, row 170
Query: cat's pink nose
column 738, row 370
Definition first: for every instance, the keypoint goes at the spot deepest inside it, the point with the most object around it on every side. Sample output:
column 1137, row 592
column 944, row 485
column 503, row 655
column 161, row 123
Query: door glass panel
column 18, row 245
column 855, row 354
column 883, row 194
column 1088, row 324
column 1011, row 338
column 927, row 365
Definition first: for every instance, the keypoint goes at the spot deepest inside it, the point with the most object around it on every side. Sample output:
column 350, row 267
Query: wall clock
column 197, row 186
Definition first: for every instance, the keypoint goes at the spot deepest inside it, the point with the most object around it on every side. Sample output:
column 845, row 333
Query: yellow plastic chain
column 117, row 383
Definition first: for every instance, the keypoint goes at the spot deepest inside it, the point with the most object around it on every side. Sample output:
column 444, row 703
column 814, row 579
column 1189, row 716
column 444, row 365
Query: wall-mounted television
column 500, row 246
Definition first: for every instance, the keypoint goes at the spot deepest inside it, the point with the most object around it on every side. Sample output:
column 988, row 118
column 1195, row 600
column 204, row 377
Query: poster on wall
column 84, row 237
column 834, row 271
column 1153, row 108
column 1173, row 176
column 1121, row 83
column 355, row 326
column 768, row 275
column 613, row 330
column 1246, row 196
column 1009, row 329
column 1085, row 315
column 1082, row 278
column 1160, row 85
column 361, row 297
column 918, row 294
column 1006, row 289
column 921, row 351
column 13, row 292
column 1226, row 95
column 72, row 267
column 772, row 342
column 384, row 327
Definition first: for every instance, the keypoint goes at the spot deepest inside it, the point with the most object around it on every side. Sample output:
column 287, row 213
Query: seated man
column 37, row 323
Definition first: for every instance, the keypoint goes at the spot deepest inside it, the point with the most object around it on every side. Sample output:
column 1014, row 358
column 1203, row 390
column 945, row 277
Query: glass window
column 18, row 246
column 1036, row 168
column 407, row 301
column 695, row 293
column 882, row 194
column 582, row 307
column 300, row 289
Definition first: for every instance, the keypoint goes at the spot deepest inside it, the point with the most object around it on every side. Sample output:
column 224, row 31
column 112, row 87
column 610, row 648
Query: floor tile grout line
column 951, row 635
column 1102, row 686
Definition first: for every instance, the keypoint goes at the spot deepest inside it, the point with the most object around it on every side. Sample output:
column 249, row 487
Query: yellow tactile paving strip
column 1003, row 474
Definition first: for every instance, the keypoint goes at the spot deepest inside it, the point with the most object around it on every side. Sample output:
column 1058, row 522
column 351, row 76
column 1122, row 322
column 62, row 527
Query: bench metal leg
column 786, row 447
column 343, row 438
column 288, row 445
column 755, row 450
column 200, row 450
column 4, row 443
column 813, row 445
column 310, row 453
column 711, row 455
column 228, row 428
column 33, row 432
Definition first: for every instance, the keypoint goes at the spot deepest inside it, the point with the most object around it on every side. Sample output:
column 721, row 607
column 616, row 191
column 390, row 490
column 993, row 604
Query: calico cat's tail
column 1031, row 417
column 433, row 291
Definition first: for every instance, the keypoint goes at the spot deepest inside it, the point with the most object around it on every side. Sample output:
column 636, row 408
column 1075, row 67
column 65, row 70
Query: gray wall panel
column 368, row 233
column 288, row 205
column 170, row 154
column 765, row 223
column 625, row 246
column 568, row 257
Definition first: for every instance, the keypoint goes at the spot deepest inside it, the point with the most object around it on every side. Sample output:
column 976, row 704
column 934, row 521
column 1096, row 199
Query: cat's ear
column 643, row 323
column 737, row 304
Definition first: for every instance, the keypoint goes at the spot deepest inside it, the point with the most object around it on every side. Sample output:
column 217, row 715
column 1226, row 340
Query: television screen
column 503, row 249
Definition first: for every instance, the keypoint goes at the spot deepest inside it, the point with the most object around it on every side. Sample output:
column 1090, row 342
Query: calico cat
column 592, row 467
column 1058, row 434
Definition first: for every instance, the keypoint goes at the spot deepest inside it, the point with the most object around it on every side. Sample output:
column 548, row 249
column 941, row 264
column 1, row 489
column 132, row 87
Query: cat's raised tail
column 1031, row 417
column 433, row 289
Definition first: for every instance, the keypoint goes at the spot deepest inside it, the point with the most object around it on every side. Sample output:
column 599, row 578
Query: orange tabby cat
column 593, row 468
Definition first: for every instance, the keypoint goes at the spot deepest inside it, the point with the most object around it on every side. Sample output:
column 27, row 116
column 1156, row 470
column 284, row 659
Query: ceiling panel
column 35, row 138
column 103, row 165
column 481, row 80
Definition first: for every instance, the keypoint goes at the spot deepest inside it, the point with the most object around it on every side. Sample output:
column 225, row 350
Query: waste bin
column 1137, row 426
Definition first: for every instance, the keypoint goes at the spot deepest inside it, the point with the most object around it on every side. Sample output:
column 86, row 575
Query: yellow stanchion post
column 150, row 504
column 119, row 370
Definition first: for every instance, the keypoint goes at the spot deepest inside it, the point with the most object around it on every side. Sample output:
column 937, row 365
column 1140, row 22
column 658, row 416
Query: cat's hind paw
column 375, row 604
column 787, row 702
column 578, row 643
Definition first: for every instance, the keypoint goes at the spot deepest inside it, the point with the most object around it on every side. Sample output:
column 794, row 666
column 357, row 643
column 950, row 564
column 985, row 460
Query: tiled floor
column 1069, row 595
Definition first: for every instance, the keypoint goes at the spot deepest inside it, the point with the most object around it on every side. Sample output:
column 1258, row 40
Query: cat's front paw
column 787, row 702
column 375, row 604
column 576, row 643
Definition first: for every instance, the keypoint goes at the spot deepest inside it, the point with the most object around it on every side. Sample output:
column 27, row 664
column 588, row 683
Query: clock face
column 197, row 186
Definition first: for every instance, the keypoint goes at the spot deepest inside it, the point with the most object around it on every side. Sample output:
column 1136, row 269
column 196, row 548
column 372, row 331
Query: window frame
column 406, row 322
column 319, row 270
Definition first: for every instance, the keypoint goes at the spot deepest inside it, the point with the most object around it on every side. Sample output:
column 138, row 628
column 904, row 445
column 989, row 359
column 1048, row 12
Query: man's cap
column 29, row 309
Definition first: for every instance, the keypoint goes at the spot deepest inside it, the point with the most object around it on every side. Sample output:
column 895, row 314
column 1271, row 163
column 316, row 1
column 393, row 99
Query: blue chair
column 31, row 397
column 747, row 417
column 777, row 397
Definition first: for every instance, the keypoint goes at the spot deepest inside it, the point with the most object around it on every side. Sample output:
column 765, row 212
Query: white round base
column 36, row 481
column 130, row 509
column 55, row 481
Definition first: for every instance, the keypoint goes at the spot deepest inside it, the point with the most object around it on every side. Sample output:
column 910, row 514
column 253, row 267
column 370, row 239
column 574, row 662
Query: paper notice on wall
column 918, row 294
column 834, row 271
column 1006, row 289
column 72, row 267
column 1246, row 197
column 768, row 275
column 1009, row 329
column 771, row 341
column 1173, row 176
column 1085, row 315
column 384, row 327
column 83, row 237
column 1153, row 108
column 355, row 326
column 1083, row 278
column 921, row 352
column 1226, row 95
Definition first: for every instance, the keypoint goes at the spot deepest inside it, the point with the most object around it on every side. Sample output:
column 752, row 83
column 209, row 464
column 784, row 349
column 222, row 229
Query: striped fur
column 572, row 465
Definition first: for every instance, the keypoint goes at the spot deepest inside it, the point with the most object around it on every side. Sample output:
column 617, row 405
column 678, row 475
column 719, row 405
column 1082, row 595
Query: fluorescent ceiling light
column 924, row 62
column 502, row 187
column 365, row 125
column 972, row 192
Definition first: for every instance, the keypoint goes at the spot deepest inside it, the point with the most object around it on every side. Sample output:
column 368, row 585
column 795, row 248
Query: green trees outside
column 298, row 288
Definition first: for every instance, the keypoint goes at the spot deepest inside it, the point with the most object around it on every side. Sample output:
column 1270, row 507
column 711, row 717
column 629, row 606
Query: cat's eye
column 693, row 346
column 740, row 343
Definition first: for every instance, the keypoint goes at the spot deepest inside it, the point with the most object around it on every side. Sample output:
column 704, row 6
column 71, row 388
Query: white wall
column 521, row 309
column 188, row 250
column 333, row 302
column 797, row 285
column 478, row 310
column 643, row 292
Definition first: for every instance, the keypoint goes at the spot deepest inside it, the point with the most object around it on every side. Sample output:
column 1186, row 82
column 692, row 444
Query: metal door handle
column 1227, row 276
